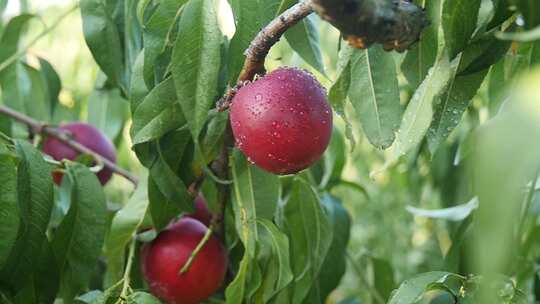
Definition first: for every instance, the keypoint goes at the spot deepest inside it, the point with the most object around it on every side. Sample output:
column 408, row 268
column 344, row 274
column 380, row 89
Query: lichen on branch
column 396, row 24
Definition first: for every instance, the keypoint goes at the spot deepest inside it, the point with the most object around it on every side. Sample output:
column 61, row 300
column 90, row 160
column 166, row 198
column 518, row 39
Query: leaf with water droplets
column 374, row 93
column 419, row 113
column 195, row 62
column 451, row 107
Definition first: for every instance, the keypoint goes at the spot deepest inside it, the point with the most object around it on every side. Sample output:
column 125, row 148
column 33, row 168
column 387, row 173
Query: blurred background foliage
column 390, row 241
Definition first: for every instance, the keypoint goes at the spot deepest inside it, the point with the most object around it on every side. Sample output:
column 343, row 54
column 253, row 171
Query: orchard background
column 427, row 192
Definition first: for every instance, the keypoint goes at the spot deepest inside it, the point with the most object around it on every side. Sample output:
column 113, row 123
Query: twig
column 263, row 42
column 41, row 128
column 44, row 33
column 196, row 251
column 127, row 271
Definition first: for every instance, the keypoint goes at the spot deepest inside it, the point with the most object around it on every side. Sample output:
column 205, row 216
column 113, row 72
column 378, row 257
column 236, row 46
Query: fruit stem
column 196, row 251
column 127, row 272
column 43, row 129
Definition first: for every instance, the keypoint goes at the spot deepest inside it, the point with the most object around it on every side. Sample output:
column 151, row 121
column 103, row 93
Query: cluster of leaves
column 169, row 62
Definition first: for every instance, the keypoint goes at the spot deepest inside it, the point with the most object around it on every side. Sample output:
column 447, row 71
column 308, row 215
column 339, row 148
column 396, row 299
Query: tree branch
column 268, row 36
column 41, row 128
column 396, row 24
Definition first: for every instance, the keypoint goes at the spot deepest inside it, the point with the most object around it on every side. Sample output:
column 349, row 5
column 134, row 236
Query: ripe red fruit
column 282, row 122
column 163, row 258
column 202, row 214
column 88, row 136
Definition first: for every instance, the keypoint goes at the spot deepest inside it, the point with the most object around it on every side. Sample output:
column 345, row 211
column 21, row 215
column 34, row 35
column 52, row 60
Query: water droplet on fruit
column 276, row 135
column 250, row 161
column 324, row 122
column 258, row 97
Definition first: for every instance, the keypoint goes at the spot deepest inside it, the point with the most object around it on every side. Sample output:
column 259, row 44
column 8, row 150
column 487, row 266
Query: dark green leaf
column 157, row 114
column 334, row 265
column 196, row 62
column 458, row 21
column 9, row 214
column 138, row 89
column 159, row 35
column 481, row 54
column 333, row 160
column 53, row 83
column 422, row 56
column 310, row 237
column 374, row 94
column 78, row 240
column 451, row 105
column 167, row 191
column 35, row 199
column 103, row 39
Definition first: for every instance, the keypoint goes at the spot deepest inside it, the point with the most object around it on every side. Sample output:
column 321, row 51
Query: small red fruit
column 163, row 258
column 282, row 122
column 88, row 136
column 202, row 214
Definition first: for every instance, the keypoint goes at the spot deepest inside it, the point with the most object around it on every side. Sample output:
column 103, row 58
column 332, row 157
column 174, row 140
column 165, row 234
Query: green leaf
column 419, row 113
column 157, row 114
column 412, row 289
column 275, row 265
column 310, row 235
column 196, row 62
column 9, row 214
column 255, row 196
column 108, row 112
column 333, row 160
column 78, row 240
column 374, row 94
column 24, row 89
column 167, row 192
column 459, row 18
column 138, row 89
column 337, row 95
column 159, row 35
column 43, row 283
column 247, row 280
column 12, row 34
column 304, row 40
column 335, row 264
column 422, row 56
column 53, row 83
column 451, row 106
column 482, row 54
column 123, row 228
column 250, row 17
column 35, row 199
column 140, row 297
column 103, row 39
